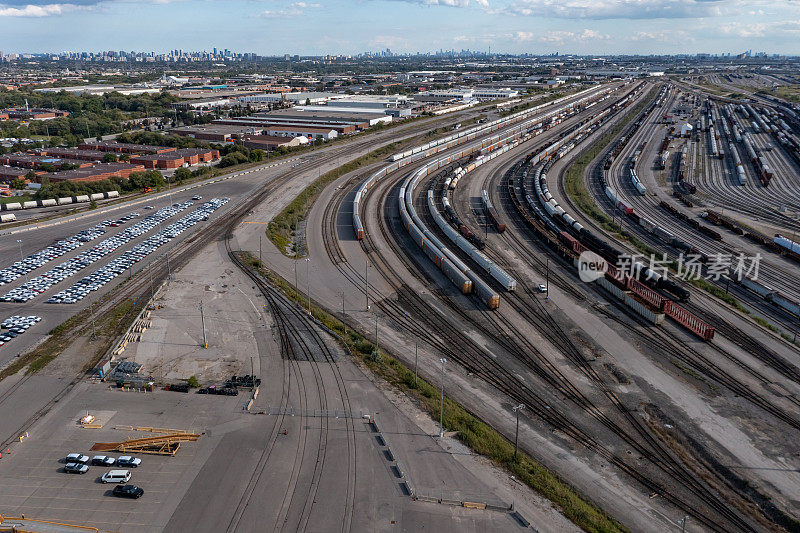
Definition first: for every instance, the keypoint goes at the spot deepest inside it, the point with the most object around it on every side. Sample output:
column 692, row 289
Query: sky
column 313, row 27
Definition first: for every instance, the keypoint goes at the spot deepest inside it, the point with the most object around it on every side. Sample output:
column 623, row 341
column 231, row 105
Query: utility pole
column 441, row 408
column 130, row 271
column 516, row 410
column 295, row 272
column 152, row 293
column 169, row 270
column 308, row 285
column 683, row 523
column 376, row 332
column 203, row 322
column 547, row 281
column 91, row 307
column 259, row 249
column 19, row 241
column 366, row 281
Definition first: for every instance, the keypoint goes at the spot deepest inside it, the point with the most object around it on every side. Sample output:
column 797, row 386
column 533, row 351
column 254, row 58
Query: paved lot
column 34, row 482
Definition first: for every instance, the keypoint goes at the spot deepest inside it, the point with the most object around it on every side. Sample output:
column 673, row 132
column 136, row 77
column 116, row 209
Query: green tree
column 182, row 174
column 18, row 183
column 109, row 158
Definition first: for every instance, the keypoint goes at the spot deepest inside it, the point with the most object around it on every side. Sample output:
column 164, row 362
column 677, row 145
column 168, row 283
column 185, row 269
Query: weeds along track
column 414, row 314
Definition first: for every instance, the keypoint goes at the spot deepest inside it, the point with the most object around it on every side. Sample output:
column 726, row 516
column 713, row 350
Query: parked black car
column 128, row 491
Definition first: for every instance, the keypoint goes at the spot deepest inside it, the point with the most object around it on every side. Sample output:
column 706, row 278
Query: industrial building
column 305, row 131
column 272, row 142
column 176, row 158
column 10, row 173
column 37, row 161
column 126, row 90
column 95, row 173
column 203, row 103
column 219, row 133
column 33, row 113
column 299, row 98
column 355, row 115
column 71, row 153
column 124, row 148
column 300, row 126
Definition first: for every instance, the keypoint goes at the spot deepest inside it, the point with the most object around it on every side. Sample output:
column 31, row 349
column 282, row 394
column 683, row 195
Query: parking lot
column 16, row 325
column 34, row 481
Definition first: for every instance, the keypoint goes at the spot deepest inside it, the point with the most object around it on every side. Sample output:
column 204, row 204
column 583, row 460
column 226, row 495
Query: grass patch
column 576, row 187
column 686, row 370
column 13, row 199
column 473, row 432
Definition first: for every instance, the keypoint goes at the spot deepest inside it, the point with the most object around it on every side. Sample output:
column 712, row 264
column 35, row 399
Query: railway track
column 533, row 311
column 302, row 342
column 451, row 342
column 525, row 307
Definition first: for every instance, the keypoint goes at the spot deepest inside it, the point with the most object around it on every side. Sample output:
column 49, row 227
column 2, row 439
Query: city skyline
column 338, row 27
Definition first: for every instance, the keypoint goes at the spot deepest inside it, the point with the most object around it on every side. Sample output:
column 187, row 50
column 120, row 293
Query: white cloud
column 292, row 10
column 450, row 3
column 560, row 36
column 30, row 10
column 609, row 9
column 663, row 36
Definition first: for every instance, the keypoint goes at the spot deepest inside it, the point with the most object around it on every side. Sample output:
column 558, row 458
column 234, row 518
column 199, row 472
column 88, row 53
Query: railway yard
column 609, row 278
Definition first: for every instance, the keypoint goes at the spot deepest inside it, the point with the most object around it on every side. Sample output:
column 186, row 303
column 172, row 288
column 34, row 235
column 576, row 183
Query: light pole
column 169, row 270
column 683, row 523
column 366, row 281
column 441, row 408
column 308, row 285
column 203, row 322
column 91, row 305
column 516, row 410
column 547, row 281
column 19, row 241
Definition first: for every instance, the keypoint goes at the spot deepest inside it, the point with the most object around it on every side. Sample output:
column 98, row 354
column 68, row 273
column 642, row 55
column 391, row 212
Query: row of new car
column 15, row 326
column 45, row 255
column 77, row 463
column 124, row 262
column 69, row 268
